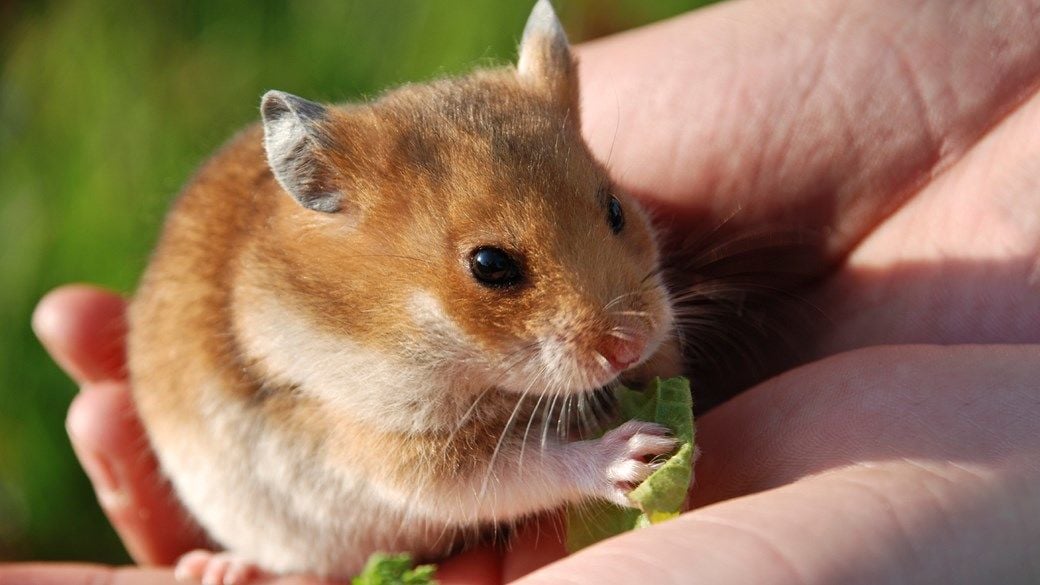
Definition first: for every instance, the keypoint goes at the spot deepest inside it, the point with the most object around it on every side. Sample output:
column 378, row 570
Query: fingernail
column 106, row 483
column 105, row 479
column 102, row 473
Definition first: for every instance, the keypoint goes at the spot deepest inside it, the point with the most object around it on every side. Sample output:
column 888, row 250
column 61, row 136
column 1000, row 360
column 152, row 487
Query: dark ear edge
column 293, row 139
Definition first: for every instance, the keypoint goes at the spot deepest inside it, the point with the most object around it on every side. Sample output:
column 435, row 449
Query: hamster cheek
column 443, row 341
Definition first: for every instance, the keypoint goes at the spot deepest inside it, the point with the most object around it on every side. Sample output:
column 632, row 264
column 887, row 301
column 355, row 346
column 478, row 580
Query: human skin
column 906, row 132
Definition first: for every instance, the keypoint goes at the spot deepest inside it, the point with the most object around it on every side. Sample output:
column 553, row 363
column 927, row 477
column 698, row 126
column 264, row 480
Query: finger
column 84, row 330
column 472, row 569
column 83, row 574
column 481, row 566
column 111, row 444
column 959, row 264
column 902, row 464
column 893, row 523
column 896, row 402
column 815, row 114
column 77, row 574
column 535, row 545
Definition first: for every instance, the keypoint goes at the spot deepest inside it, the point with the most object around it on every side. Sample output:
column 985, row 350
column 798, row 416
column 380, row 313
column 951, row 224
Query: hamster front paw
column 629, row 454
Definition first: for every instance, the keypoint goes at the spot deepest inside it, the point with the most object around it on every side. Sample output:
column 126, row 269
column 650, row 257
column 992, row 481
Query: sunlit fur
column 323, row 382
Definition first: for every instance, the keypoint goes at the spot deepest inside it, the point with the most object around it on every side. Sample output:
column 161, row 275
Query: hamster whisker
column 498, row 445
column 565, row 419
column 720, row 299
column 583, row 426
column 512, row 360
column 548, row 417
column 513, row 417
column 622, row 334
column 619, row 298
column 527, row 431
column 755, row 247
column 642, row 315
column 604, row 405
column 679, row 335
column 469, row 412
column 721, row 335
column 617, row 125
column 543, row 417
column 726, row 285
column 631, row 313
column 720, row 286
column 655, row 272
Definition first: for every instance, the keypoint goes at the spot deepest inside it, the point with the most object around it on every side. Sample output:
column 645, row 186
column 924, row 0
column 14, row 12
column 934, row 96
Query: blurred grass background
column 107, row 107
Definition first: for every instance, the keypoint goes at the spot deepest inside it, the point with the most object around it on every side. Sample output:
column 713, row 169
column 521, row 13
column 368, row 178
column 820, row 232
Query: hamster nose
column 622, row 352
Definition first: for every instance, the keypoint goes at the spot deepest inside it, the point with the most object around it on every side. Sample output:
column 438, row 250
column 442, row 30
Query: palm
column 909, row 138
column 908, row 132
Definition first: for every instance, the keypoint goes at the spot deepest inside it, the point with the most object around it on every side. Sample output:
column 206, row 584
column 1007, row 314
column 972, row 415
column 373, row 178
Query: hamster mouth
column 580, row 355
column 562, row 368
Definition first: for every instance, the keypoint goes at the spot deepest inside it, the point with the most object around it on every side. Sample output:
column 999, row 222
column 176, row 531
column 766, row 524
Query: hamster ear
column 545, row 55
column 294, row 138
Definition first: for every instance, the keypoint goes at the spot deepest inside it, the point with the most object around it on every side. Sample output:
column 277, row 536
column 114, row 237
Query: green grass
column 105, row 109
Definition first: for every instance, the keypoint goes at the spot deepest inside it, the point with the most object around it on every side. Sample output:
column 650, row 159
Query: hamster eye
column 494, row 267
column 615, row 218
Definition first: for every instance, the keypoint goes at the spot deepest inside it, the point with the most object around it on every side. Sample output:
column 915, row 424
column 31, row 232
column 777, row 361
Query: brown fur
column 429, row 172
column 417, row 226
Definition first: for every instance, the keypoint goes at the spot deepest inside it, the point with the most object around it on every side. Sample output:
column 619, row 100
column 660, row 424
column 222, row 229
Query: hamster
column 363, row 322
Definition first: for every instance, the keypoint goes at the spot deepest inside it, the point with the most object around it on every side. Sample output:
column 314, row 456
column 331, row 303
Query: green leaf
column 383, row 569
column 596, row 520
column 660, row 497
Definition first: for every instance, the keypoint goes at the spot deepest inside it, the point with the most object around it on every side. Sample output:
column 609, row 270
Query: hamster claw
column 634, row 450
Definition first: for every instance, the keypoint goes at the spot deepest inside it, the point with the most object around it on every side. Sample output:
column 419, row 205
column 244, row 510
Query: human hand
column 83, row 328
column 905, row 132
column 838, row 467
column 905, row 129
